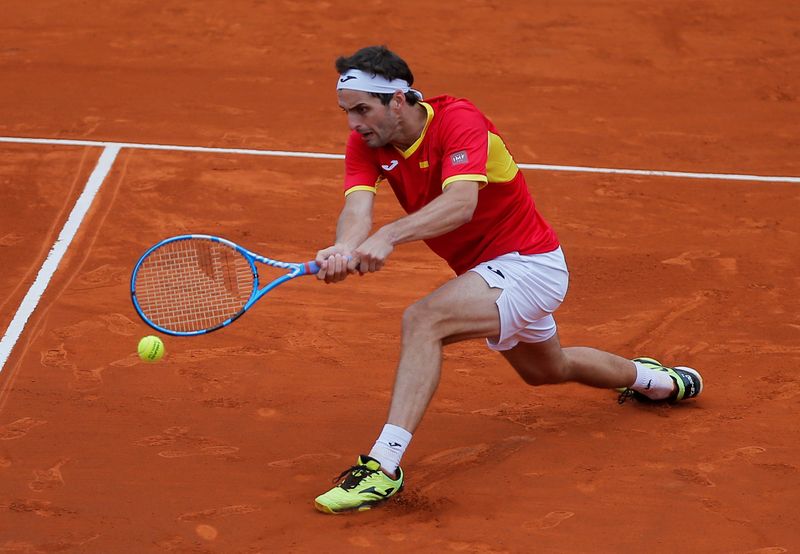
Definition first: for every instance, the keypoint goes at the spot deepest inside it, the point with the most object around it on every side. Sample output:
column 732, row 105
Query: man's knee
column 540, row 372
column 418, row 318
column 542, row 376
column 538, row 378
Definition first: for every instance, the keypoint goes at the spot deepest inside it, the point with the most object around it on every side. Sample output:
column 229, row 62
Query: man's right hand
column 333, row 263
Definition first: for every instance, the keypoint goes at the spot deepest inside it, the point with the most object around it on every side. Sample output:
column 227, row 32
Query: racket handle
column 311, row 268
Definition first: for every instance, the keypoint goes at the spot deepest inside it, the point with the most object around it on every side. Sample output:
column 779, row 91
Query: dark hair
column 379, row 60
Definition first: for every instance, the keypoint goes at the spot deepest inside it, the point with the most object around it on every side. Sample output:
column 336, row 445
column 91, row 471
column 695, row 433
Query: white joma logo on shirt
column 391, row 165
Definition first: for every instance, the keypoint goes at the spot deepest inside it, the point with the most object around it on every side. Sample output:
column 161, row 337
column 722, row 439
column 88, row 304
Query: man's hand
column 353, row 226
column 371, row 255
column 333, row 263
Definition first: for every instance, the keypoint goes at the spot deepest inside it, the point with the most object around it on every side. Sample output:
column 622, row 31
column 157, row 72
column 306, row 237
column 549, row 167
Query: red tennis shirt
column 457, row 143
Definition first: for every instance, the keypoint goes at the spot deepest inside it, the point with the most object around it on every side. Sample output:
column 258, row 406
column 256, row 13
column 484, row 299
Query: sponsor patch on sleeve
column 459, row 158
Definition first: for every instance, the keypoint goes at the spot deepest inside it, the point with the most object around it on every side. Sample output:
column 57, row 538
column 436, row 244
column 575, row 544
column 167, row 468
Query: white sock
column 654, row 384
column 390, row 447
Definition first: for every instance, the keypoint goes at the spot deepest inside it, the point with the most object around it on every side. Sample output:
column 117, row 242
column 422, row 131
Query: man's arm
column 449, row 211
column 355, row 220
column 353, row 226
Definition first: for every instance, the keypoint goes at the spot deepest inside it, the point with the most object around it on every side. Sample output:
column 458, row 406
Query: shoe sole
column 367, row 505
column 696, row 374
column 327, row 510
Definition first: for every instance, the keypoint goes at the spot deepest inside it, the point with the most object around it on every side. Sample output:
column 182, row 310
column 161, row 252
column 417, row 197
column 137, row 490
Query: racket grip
column 311, row 268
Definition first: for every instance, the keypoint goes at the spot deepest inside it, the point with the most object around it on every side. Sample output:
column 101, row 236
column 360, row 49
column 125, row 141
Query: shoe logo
column 650, row 382
column 386, row 494
column 500, row 273
column 393, row 444
column 348, row 78
column 390, row 166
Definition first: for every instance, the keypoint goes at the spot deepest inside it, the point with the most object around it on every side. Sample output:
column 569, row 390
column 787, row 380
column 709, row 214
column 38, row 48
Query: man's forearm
column 352, row 229
column 448, row 212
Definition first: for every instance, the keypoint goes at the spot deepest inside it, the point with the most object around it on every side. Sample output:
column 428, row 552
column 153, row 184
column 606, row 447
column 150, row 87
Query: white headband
column 355, row 79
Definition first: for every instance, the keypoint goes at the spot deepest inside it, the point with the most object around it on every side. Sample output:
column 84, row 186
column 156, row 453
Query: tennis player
column 466, row 198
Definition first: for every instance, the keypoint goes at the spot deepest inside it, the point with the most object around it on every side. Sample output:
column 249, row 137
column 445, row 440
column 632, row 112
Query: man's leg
column 540, row 363
column 460, row 309
column 546, row 362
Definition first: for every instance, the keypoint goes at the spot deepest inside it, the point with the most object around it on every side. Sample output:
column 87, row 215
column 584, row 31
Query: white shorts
column 533, row 286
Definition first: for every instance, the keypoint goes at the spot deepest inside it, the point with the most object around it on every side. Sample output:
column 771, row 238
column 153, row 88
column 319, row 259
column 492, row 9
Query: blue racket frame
column 295, row 270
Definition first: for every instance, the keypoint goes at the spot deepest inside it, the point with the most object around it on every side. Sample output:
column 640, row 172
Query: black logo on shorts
column 500, row 273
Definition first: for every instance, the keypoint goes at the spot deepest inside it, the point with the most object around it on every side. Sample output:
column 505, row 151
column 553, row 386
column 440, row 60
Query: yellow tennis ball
column 151, row 349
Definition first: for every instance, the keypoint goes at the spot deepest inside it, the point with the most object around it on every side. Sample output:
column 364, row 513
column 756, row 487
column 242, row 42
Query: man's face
column 366, row 115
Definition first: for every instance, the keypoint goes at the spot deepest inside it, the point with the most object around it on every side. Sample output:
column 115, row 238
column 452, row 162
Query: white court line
column 177, row 148
column 658, row 173
column 57, row 252
column 317, row 155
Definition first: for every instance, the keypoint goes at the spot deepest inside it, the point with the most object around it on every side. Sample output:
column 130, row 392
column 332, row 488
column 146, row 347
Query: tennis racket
column 194, row 284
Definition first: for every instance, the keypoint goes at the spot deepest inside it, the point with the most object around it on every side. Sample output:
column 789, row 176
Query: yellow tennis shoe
column 362, row 486
column 688, row 383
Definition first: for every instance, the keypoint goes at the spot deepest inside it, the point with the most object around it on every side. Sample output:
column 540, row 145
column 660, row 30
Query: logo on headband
column 459, row 158
column 348, row 78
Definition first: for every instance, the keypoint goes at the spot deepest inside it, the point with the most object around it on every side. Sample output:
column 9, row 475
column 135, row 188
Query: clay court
column 223, row 445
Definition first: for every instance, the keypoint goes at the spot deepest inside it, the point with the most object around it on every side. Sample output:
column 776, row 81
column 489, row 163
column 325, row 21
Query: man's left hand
column 371, row 255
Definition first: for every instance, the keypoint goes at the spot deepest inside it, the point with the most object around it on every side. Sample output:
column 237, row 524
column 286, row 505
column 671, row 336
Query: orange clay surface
column 222, row 446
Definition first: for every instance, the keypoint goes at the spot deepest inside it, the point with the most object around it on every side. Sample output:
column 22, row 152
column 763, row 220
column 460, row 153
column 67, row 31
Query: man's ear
column 398, row 99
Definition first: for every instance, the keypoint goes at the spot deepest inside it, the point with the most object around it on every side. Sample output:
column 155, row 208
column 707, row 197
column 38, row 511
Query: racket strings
column 192, row 285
